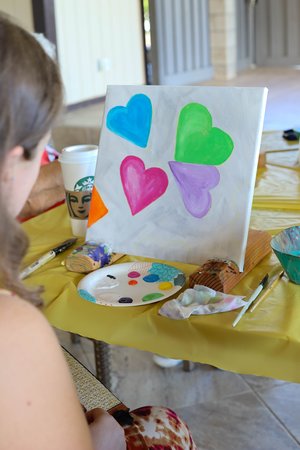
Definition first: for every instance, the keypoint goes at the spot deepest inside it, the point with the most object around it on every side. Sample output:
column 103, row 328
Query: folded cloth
column 200, row 300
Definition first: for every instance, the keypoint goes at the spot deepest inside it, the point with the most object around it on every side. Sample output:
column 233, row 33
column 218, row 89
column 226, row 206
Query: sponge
column 88, row 257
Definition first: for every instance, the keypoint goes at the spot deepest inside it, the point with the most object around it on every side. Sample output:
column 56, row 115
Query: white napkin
column 200, row 300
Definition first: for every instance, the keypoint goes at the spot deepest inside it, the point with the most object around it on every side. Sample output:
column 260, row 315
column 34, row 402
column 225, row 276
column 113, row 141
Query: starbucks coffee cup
column 78, row 164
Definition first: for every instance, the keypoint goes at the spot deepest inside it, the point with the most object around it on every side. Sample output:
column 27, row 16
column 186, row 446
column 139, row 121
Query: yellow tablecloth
column 265, row 343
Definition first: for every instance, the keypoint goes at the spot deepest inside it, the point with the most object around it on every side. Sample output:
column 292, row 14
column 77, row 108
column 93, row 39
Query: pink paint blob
column 134, row 274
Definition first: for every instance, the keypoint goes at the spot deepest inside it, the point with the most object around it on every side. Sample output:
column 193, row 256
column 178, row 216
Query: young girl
column 39, row 405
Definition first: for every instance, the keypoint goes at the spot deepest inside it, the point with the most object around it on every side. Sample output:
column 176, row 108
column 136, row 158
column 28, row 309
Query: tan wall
column 19, row 9
column 99, row 42
column 223, row 38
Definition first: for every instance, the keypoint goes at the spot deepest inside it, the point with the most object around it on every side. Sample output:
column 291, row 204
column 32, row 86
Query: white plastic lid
column 78, row 154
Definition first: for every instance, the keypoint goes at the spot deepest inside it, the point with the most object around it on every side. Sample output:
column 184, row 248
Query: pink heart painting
column 141, row 186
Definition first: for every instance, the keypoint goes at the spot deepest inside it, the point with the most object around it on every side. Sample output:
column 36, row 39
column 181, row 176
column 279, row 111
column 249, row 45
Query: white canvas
column 176, row 171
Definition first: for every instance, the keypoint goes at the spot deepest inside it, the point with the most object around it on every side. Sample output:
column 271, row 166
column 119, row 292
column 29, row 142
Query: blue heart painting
column 133, row 121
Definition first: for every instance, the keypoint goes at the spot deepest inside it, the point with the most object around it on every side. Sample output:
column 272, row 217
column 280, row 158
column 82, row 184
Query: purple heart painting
column 194, row 182
column 141, row 186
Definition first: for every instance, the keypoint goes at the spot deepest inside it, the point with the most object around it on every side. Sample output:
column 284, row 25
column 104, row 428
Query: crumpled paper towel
column 200, row 300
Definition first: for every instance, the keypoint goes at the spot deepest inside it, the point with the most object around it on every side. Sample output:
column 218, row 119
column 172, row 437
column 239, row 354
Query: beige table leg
column 75, row 338
column 102, row 362
column 188, row 366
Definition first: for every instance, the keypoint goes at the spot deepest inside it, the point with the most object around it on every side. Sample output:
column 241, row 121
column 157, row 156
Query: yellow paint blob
column 165, row 285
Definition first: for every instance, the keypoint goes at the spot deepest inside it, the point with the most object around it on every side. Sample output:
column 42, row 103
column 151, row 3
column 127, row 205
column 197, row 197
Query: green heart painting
column 197, row 141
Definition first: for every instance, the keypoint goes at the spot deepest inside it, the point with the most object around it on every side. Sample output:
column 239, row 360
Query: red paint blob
column 134, row 274
column 132, row 282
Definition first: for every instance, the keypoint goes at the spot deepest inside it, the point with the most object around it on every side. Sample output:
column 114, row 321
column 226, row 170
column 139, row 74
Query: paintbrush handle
column 253, row 296
column 37, row 264
column 279, row 150
column 267, row 291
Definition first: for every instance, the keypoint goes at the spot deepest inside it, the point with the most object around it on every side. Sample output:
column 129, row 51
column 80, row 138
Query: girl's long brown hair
column 30, row 99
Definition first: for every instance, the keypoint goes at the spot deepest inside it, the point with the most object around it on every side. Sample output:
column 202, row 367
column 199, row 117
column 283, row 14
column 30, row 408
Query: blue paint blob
column 152, row 278
column 132, row 122
column 86, row 295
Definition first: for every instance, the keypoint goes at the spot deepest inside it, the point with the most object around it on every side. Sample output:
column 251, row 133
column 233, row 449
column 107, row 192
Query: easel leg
column 102, row 362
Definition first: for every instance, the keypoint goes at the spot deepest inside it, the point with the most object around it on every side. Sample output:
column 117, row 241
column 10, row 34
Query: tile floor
column 224, row 410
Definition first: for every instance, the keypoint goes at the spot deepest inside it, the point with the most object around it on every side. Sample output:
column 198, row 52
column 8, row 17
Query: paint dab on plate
column 125, row 300
column 165, row 285
column 152, row 278
column 179, row 280
column 86, row 295
column 153, row 296
column 134, row 274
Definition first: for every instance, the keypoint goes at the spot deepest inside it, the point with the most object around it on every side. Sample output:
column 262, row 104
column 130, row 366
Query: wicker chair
column 91, row 392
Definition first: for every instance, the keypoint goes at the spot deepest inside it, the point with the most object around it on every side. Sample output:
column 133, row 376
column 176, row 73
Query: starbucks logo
column 84, row 184
column 78, row 200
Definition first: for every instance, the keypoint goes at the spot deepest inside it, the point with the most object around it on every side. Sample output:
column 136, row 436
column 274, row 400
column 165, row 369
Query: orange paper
column 97, row 208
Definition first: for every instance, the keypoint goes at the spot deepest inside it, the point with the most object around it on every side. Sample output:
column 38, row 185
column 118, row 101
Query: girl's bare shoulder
column 14, row 306
column 20, row 321
column 36, row 389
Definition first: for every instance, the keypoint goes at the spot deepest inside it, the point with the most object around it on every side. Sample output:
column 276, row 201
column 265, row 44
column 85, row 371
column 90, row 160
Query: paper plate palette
column 131, row 284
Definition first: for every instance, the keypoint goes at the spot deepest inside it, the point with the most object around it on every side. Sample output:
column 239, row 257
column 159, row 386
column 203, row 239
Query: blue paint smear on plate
column 164, row 272
column 86, row 295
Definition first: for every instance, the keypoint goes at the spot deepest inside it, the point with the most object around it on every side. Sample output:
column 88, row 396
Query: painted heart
column 133, row 121
column 197, row 141
column 141, row 186
column 194, row 183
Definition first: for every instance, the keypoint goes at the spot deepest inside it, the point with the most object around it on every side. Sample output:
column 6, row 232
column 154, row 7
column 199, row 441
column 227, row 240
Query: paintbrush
column 252, row 297
column 270, row 286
